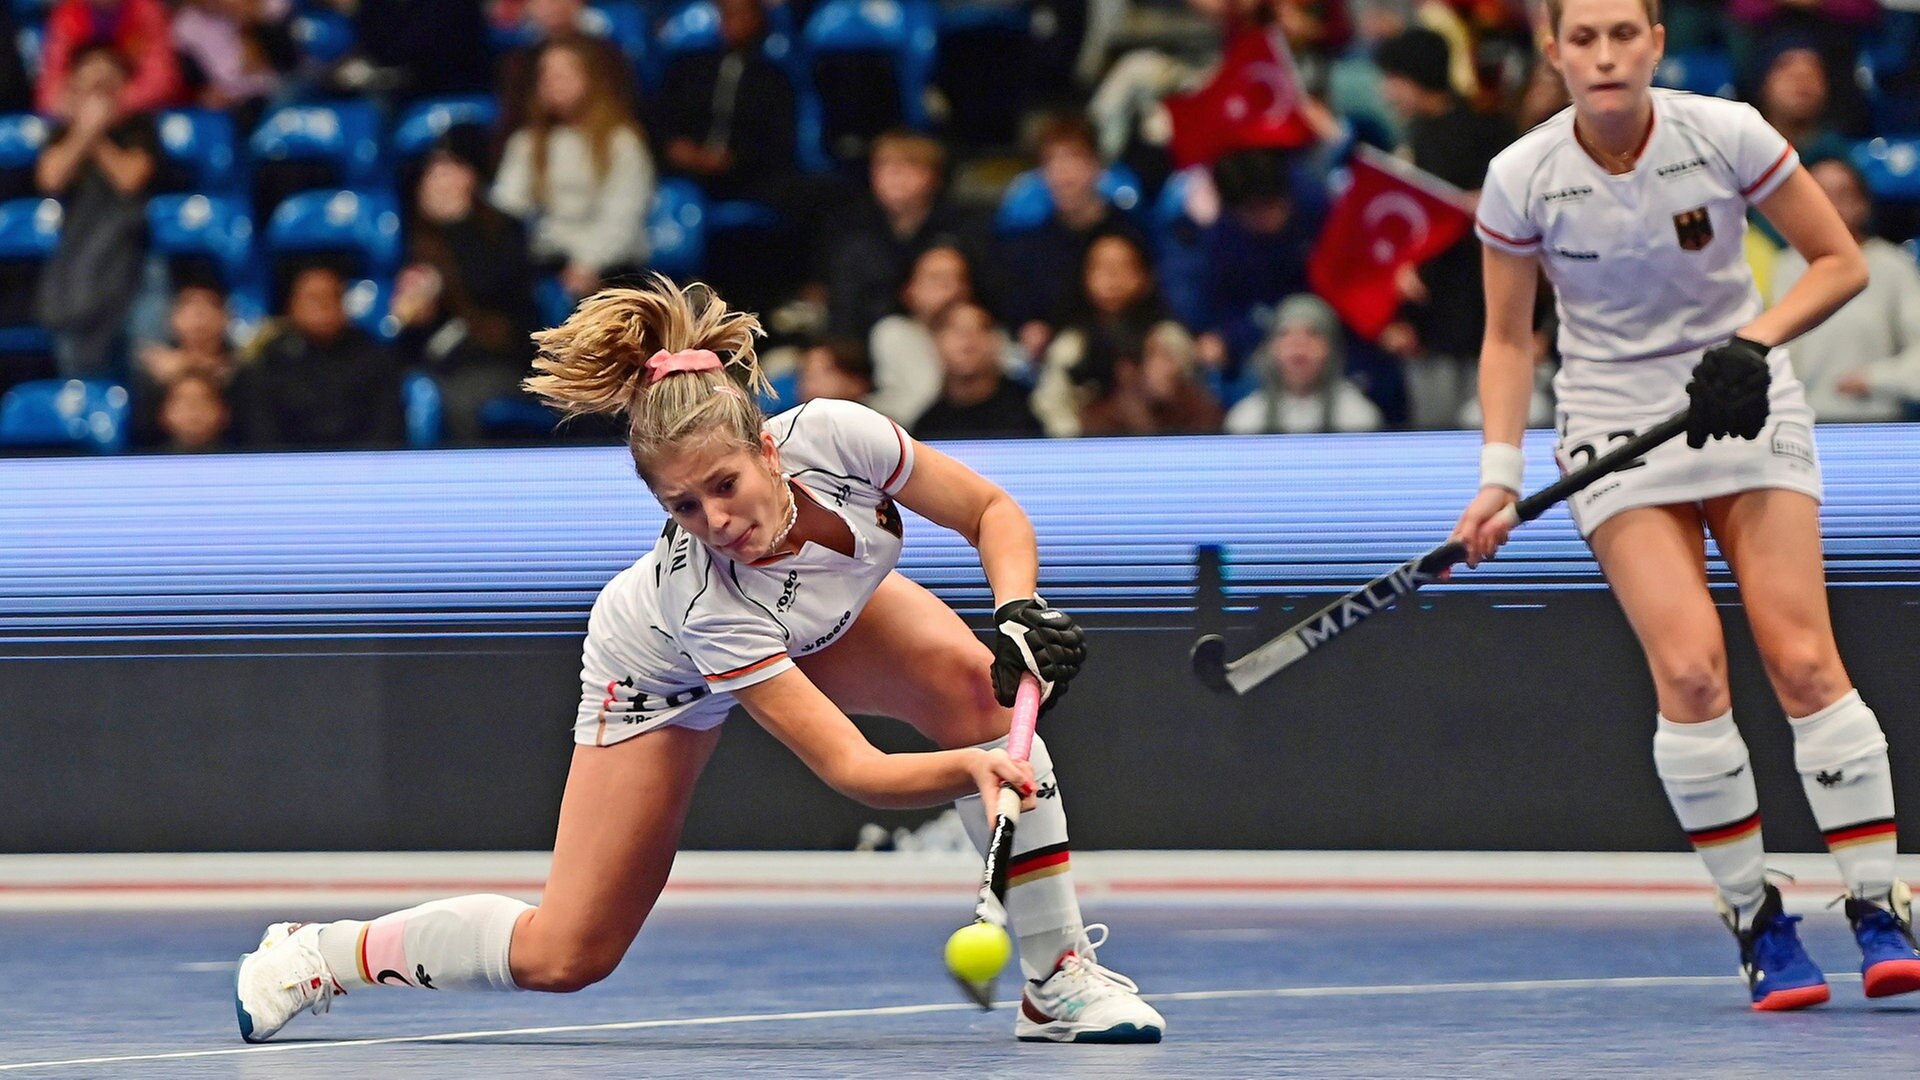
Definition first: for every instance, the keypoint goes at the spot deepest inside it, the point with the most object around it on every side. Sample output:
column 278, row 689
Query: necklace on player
column 793, row 515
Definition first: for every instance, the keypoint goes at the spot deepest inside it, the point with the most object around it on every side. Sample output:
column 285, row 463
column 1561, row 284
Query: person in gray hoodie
column 1303, row 385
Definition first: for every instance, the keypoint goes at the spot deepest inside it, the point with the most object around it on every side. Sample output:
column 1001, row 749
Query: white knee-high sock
column 457, row 944
column 1842, row 757
column 1041, row 904
column 1710, row 784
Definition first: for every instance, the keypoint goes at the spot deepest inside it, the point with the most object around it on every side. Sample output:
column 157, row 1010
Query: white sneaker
column 280, row 978
column 1084, row 1002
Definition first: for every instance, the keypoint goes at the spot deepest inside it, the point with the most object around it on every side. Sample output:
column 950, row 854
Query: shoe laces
column 1777, row 944
column 1080, row 965
column 310, row 976
column 1876, row 923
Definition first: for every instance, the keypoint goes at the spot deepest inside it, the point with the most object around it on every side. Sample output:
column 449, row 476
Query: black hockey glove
column 1032, row 637
column 1728, row 392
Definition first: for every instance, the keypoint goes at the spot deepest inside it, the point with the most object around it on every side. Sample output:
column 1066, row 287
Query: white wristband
column 1502, row 465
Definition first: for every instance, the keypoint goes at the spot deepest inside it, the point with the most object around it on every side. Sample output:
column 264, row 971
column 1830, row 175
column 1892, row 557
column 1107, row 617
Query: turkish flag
column 1392, row 215
column 1252, row 102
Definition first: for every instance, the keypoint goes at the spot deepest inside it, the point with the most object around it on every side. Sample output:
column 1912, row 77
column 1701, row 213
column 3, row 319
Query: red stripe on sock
column 1727, row 834
column 1855, row 834
column 1037, row 860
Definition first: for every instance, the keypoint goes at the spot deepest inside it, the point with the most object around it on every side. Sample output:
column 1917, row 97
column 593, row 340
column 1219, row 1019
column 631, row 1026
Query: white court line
column 1385, row 990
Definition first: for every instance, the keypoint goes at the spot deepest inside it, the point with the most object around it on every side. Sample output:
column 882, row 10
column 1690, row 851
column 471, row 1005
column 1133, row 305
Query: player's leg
column 910, row 657
column 1771, row 538
column 1655, row 560
column 620, row 823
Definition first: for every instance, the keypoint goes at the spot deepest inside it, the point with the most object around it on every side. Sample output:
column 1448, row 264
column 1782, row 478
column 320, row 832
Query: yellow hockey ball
column 977, row 952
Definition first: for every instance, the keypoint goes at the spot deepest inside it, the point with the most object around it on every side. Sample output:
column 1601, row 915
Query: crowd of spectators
column 1133, row 298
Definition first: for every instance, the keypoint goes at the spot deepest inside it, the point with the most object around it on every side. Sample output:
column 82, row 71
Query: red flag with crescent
column 1392, row 215
column 1251, row 103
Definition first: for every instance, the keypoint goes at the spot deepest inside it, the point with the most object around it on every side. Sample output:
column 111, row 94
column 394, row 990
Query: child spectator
column 100, row 164
column 1303, row 388
column 1041, row 264
column 976, row 400
column 1116, row 301
column 553, row 20
column 465, row 300
column 1256, row 253
column 906, row 368
column 137, row 32
column 198, row 332
column 1863, row 362
column 318, row 380
column 869, row 255
column 836, row 368
column 1155, row 391
column 579, row 173
column 194, row 416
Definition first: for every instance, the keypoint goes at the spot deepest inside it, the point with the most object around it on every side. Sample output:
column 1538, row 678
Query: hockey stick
column 1210, row 663
column 991, row 909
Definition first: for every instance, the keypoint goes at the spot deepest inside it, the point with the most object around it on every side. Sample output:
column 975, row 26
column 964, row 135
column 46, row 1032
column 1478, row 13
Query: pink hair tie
column 663, row 363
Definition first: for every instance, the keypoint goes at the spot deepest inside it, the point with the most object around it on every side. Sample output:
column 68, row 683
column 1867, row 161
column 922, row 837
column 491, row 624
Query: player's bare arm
column 801, row 717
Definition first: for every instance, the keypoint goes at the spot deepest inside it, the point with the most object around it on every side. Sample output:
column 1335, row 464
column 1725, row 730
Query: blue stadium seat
column 423, row 407
column 677, row 229
column 1892, row 168
column 21, row 137
column 694, row 28
column 321, row 35
column 29, row 228
column 1707, row 71
column 517, row 415
column 345, row 134
column 969, row 16
column 363, row 222
column 70, row 412
column 623, row 22
column 218, row 228
column 203, row 141
column 421, row 125
column 551, row 302
column 906, row 30
column 246, row 312
column 369, row 303
column 31, row 42
column 1027, row 204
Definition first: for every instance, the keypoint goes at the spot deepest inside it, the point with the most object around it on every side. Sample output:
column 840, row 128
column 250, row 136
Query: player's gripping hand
column 1482, row 528
column 1032, row 637
column 994, row 769
column 1728, row 392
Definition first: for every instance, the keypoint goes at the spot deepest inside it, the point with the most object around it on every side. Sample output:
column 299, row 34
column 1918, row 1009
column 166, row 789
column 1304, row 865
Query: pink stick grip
column 1026, row 710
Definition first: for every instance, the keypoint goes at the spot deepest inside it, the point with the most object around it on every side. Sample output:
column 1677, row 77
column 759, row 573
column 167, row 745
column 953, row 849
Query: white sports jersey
column 673, row 634
column 1651, row 262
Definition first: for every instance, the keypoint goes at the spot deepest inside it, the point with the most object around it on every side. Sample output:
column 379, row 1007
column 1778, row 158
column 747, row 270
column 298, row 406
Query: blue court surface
column 817, row 992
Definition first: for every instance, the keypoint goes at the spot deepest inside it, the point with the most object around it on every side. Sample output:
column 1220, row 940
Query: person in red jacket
column 138, row 30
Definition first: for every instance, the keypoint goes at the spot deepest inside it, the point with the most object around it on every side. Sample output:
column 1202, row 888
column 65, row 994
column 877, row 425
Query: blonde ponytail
column 596, row 362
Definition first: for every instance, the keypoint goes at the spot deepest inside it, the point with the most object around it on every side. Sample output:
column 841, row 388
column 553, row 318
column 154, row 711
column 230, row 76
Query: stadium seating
column 215, row 228
column 905, row 33
column 364, row 223
column 1027, row 204
column 29, row 231
column 322, row 35
column 423, row 408
column 21, row 137
column 677, row 229
column 1707, row 71
column 343, row 134
column 1892, row 168
column 202, row 141
column 369, row 303
column 70, row 413
column 423, row 124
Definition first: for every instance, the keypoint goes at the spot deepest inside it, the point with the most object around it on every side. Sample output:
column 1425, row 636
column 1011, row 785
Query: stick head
column 1210, row 663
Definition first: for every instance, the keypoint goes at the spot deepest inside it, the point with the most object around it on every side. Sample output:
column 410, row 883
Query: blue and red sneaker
column 1890, row 964
column 1779, row 972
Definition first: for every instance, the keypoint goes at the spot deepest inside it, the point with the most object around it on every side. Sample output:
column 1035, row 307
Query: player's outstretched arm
column 814, row 728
